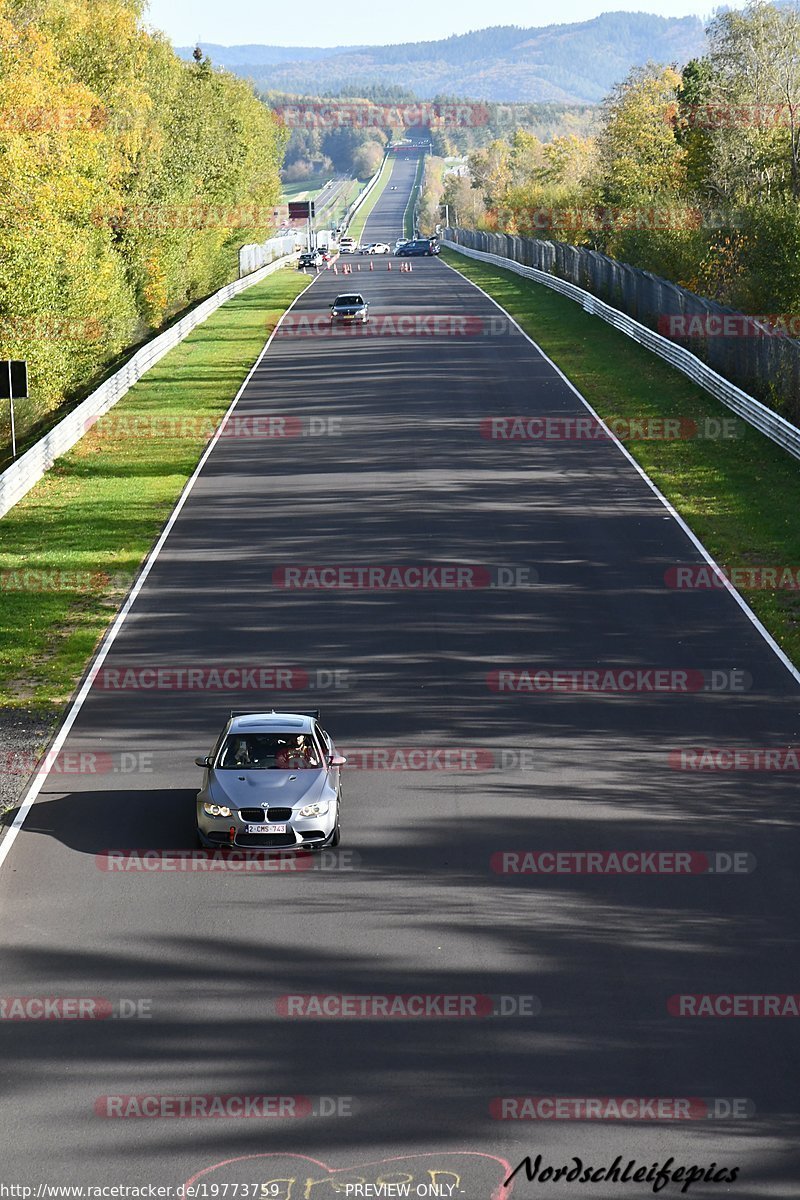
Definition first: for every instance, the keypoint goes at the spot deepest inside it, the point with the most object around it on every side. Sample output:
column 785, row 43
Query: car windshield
column 268, row 752
column 350, row 301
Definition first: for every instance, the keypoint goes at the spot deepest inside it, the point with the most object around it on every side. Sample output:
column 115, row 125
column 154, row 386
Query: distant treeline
column 346, row 129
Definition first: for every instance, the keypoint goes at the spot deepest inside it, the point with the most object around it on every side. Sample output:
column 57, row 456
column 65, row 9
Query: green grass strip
column 739, row 495
column 408, row 215
column 70, row 548
column 356, row 227
column 304, row 189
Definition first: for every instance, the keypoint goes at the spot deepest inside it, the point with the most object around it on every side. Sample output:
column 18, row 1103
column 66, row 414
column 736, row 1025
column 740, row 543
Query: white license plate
column 266, row 829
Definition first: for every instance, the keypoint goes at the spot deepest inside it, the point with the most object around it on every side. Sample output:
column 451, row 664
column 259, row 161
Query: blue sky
column 332, row 23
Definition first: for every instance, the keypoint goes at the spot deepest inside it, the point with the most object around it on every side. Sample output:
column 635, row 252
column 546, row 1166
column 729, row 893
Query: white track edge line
column 110, row 634
column 728, row 586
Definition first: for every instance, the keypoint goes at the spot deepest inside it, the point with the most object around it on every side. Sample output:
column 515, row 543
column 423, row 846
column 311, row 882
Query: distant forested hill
column 573, row 64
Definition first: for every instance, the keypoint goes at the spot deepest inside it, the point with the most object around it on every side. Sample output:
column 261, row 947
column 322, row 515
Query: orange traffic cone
column 371, row 265
column 389, row 264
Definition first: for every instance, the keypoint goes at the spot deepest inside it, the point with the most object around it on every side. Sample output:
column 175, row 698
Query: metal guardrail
column 261, row 254
column 18, row 479
column 770, row 423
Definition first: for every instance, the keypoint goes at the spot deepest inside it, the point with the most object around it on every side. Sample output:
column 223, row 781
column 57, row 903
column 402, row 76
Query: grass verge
column 739, row 494
column 70, row 549
column 303, row 189
column 408, row 215
column 356, row 227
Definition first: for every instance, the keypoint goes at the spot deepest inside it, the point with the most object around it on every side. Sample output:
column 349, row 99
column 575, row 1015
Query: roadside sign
column 13, row 379
column 301, row 210
column 13, row 386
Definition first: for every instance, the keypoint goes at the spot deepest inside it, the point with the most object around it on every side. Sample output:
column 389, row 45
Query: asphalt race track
column 384, row 463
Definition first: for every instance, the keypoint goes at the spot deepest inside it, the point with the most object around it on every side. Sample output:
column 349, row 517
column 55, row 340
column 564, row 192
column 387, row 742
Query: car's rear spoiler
column 249, row 712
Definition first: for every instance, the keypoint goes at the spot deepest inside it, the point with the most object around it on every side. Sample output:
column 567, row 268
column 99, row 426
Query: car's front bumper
column 306, row 832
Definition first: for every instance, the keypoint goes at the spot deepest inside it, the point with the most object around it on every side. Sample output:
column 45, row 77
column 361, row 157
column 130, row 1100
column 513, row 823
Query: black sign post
column 303, row 210
column 13, row 386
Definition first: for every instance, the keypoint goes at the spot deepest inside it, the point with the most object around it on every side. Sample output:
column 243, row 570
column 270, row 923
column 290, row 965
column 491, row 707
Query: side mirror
column 337, row 760
column 202, row 762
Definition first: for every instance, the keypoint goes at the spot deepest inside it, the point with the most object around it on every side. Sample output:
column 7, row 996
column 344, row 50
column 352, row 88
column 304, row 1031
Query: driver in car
column 297, row 755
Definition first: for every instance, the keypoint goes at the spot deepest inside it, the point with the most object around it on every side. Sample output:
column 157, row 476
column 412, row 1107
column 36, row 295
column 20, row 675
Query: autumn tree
column 108, row 144
column 639, row 155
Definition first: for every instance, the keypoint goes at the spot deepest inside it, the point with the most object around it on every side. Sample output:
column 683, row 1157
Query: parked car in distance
column 418, row 246
column 310, row 258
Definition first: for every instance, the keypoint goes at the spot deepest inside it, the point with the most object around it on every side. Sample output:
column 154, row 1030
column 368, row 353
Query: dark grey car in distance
column 350, row 307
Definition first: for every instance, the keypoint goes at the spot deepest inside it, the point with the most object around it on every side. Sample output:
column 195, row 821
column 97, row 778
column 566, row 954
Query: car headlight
column 216, row 810
column 314, row 810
